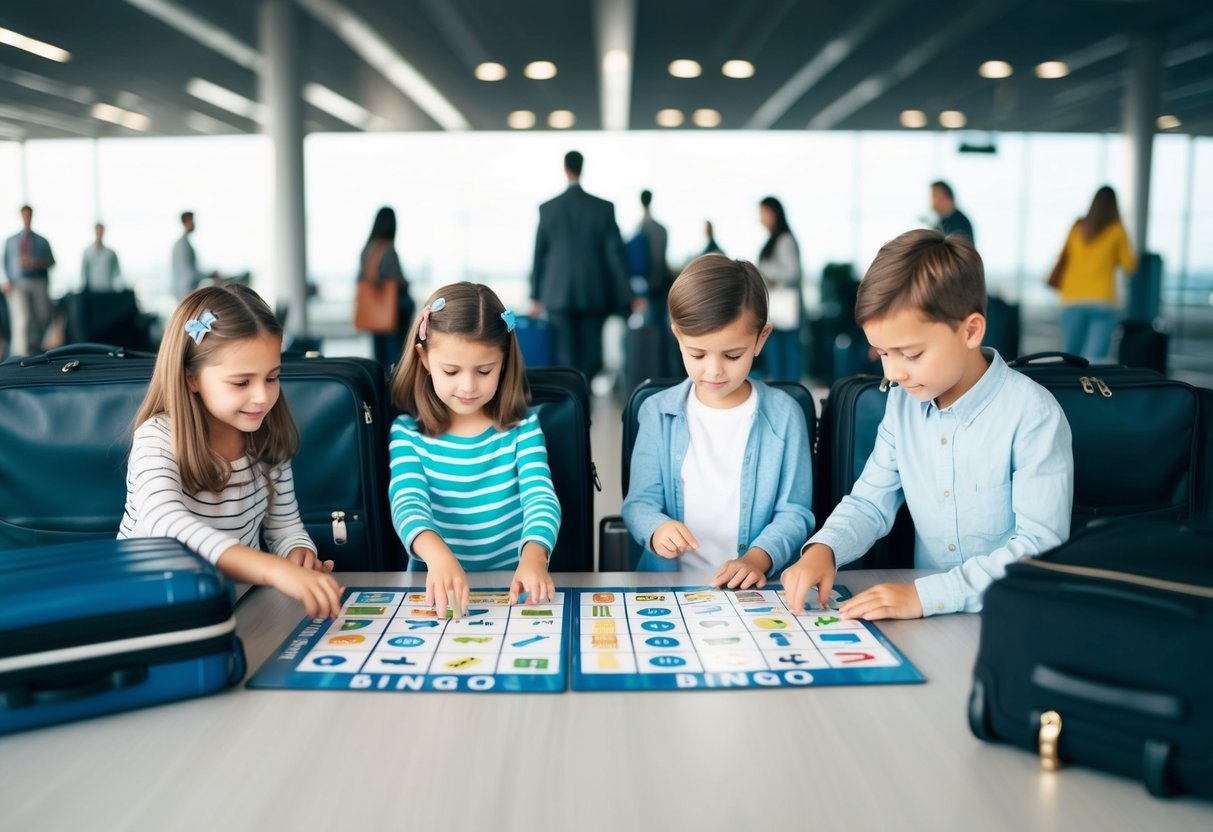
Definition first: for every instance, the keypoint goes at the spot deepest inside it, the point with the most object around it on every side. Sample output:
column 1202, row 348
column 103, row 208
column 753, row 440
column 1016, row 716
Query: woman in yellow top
column 1097, row 244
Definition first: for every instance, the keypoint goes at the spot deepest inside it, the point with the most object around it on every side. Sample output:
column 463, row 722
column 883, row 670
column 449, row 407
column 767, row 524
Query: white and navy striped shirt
column 485, row 496
column 208, row 523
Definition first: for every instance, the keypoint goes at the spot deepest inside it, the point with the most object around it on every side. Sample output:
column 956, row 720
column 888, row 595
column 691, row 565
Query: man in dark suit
column 580, row 274
column 951, row 218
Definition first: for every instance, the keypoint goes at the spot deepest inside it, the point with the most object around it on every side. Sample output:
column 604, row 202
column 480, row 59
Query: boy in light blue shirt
column 980, row 453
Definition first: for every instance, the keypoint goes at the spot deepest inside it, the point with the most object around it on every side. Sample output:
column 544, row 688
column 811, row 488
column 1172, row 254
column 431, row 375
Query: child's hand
column 446, row 584
column 532, row 576
column 672, row 539
column 883, row 601
column 814, row 569
column 317, row 591
column 305, row 557
column 749, row 570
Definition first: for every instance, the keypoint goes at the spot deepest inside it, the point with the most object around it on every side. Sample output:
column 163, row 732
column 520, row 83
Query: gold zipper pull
column 1047, row 740
column 1104, row 390
column 1087, row 387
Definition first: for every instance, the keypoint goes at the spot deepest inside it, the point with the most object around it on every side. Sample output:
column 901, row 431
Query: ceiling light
column 561, row 119
column 738, row 69
column 36, row 47
column 616, row 88
column 540, row 70
column 952, row 119
column 1168, row 122
column 994, row 69
column 490, row 71
column 914, row 119
column 685, row 68
column 117, row 115
column 706, row 117
column 341, row 108
column 225, row 99
column 1052, row 69
column 669, row 118
column 203, row 123
column 521, row 120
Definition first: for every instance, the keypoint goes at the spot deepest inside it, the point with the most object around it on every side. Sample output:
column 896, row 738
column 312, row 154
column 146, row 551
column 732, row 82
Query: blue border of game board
column 278, row 671
column 905, row 673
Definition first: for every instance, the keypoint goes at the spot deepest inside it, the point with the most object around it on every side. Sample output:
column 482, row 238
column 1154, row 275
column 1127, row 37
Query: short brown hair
column 240, row 313
column 942, row 277
column 713, row 291
column 474, row 312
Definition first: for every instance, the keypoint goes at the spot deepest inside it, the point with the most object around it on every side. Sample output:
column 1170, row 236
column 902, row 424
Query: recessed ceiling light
column 521, row 119
column 540, row 70
column 738, row 69
column 706, row 117
column 995, row 69
column 952, row 119
column 670, row 118
column 685, row 68
column 561, row 119
column 35, row 47
column 225, row 99
column 913, row 119
column 1052, row 69
column 490, row 71
column 1168, row 122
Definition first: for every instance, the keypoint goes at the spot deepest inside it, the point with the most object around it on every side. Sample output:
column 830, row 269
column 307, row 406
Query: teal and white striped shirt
column 485, row 496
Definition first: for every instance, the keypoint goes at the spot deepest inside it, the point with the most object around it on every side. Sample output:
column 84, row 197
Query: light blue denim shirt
column 776, row 476
column 988, row 480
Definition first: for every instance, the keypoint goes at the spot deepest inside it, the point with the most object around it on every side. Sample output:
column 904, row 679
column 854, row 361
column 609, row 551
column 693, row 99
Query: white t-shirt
column 711, row 478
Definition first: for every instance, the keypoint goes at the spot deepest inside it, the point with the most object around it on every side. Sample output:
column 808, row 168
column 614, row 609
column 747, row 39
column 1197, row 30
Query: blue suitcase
column 110, row 625
column 535, row 340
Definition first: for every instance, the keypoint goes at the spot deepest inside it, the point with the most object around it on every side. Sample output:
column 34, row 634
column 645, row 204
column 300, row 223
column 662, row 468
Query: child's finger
column 328, row 566
column 515, row 587
column 464, row 595
column 550, row 586
column 824, row 587
column 796, row 588
column 440, row 602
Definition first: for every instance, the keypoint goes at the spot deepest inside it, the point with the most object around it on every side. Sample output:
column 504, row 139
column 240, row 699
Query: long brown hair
column 1103, row 212
column 474, row 312
column 240, row 313
column 715, row 290
column 941, row 277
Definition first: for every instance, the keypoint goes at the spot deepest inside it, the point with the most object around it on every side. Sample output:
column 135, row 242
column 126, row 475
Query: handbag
column 783, row 307
column 375, row 301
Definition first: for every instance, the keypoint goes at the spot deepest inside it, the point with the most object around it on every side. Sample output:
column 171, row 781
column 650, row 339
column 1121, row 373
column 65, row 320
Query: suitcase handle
column 110, row 680
column 1137, row 701
column 1066, row 358
column 83, row 349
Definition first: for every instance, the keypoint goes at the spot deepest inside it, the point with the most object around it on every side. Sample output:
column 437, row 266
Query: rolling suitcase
column 846, row 436
column 1143, row 346
column 110, row 625
column 106, row 317
column 1002, row 328
column 1100, row 653
column 66, row 419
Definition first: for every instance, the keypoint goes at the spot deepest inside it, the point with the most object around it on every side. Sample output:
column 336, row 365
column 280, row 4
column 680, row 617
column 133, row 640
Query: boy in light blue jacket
column 721, row 471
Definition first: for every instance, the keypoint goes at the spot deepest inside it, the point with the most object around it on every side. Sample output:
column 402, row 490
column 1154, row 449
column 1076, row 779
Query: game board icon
column 347, row 640
column 604, row 597
column 667, row 661
column 657, row 626
column 366, row 610
column 374, row 598
column 653, row 612
column 355, row 623
column 329, row 661
column 462, row 663
column 405, row 641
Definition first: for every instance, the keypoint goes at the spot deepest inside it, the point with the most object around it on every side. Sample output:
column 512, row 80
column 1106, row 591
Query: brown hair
column 713, row 291
column 942, row 277
column 473, row 312
column 1103, row 212
column 240, row 313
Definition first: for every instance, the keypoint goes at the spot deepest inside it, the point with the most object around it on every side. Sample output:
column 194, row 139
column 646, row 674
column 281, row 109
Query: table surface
column 871, row 757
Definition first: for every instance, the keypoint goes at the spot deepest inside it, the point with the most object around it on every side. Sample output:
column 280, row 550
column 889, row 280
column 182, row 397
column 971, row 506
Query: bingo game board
column 386, row 639
column 661, row 638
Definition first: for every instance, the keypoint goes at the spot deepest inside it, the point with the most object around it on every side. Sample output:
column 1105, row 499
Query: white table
column 844, row 758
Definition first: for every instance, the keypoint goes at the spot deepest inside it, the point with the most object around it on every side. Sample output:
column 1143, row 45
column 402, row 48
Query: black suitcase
column 1140, row 439
column 650, row 351
column 1143, row 346
column 106, row 317
column 846, row 436
column 109, row 625
column 1100, row 652
column 66, row 419
column 562, row 398
column 1002, row 328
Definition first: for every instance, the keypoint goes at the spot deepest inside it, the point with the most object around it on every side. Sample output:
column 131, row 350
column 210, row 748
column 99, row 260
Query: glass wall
column 468, row 202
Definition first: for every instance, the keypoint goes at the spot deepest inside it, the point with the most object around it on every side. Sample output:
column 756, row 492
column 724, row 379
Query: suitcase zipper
column 1123, row 577
column 1091, row 383
column 366, row 413
column 339, row 530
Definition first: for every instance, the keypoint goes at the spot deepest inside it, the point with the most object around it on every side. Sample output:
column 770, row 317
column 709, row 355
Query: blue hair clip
column 508, row 317
column 196, row 328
